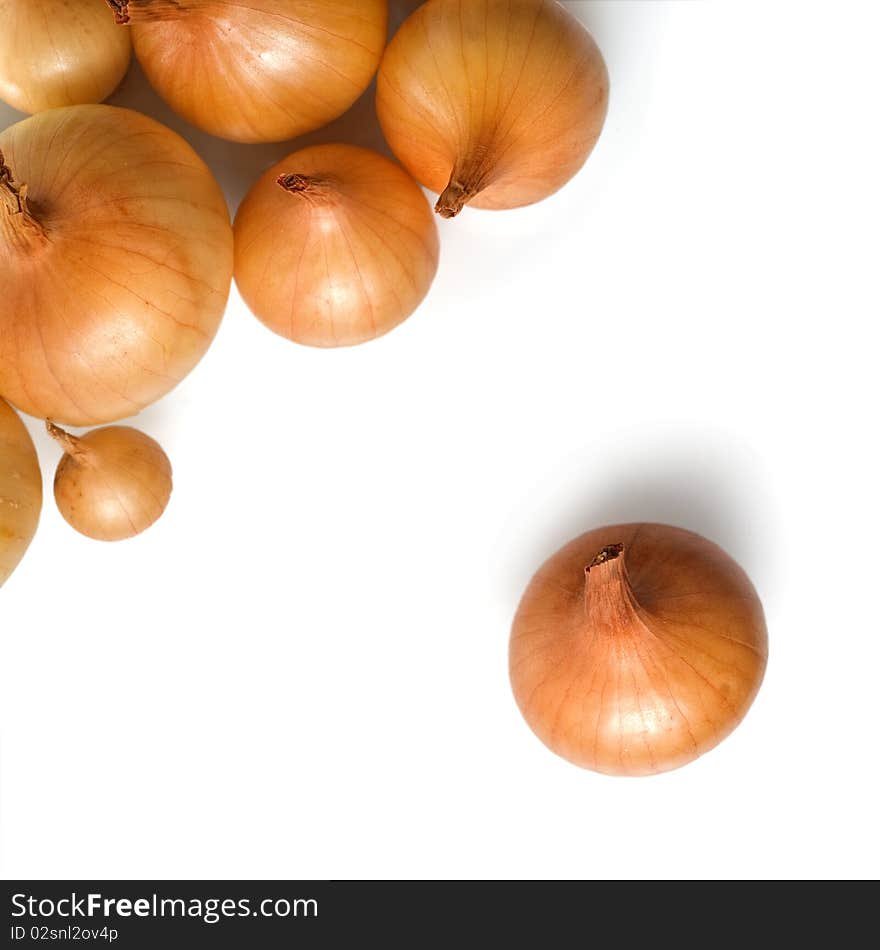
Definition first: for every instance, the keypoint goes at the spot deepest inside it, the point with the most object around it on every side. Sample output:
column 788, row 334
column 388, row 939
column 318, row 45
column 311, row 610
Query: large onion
column 494, row 103
column 637, row 648
column 59, row 53
column 21, row 490
column 261, row 70
column 334, row 246
column 115, row 262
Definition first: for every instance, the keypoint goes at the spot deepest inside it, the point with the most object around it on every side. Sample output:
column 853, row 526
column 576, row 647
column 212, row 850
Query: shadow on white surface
column 680, row 490
column 695, row 483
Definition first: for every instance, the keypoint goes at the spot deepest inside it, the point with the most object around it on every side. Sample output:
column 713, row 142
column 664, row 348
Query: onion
column 21, row 490
column 261, row 70
column 334, row 246
column 112, row 483
column 59, row 53
column 494, row 103
column 115, row 262
column 637, row 648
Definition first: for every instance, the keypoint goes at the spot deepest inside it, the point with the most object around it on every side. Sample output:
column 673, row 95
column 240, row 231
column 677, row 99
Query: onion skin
column 335, row 245
column 59, row 53
column 21, row 490
column 493, row 103
column 636, row 648
column 112, row 483
column 261, row 70
column 115, row 263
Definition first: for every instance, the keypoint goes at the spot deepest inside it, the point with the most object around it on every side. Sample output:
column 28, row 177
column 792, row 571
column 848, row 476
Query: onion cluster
column 637, row 647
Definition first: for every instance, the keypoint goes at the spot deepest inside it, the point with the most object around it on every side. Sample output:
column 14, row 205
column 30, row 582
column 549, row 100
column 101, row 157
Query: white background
column 301, row 670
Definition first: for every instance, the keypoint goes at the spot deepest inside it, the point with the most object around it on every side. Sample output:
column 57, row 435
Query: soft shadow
column 700, row 484
column 684, row 494
column 399, row 10
column 611, row 22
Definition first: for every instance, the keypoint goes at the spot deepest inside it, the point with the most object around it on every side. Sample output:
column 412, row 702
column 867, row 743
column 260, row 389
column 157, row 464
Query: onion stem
column 296, row 184
column 468, row 179
column 120, row 8
column 307, row 186
column 454, row 198
column 70, row 443
column 18, row 222
column 128, row 11
column 609, row 601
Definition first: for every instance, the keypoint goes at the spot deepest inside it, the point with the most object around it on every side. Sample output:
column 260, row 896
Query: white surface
column 301, row 670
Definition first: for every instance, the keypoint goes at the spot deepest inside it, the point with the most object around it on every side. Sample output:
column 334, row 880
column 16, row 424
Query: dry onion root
column 493, row 103
column 637, row 648
column 260, row 71
column 59, row 53
column 335, row 245
column 112, row 483
column 21, row 490
column 115, row 262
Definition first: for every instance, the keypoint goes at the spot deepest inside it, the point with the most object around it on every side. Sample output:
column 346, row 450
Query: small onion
column 637, row 648
column 494, row 103
column 59, row 53
column 21, row 490
column 261, row 70
column 115, row 262
column 334, row 246
column 111, row 484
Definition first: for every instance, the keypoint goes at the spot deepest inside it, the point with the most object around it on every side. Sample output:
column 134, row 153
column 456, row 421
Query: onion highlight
column 334, row 245
column 59, row 53
column 115, row 262
column 112, row 483
column 637, row 648
column 494, row 103
column 21, row 490
column 261, row 70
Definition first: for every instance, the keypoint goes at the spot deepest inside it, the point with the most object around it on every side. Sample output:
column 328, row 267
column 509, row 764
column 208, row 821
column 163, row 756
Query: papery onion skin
column 260, row 71
column 113, row 483
column 636, row 648
column 59, row 53
column 492, row 103
column 21, row 490
column 335, row 245
column 116, row 274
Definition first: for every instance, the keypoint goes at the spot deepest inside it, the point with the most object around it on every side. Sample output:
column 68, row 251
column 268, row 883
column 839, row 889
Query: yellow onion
column 59, row 53
column 112, row 483
column 637, row 648
column 21, row 490
column 334, row 245
column 494, row 103
column 115, row 262
column 261, row 70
